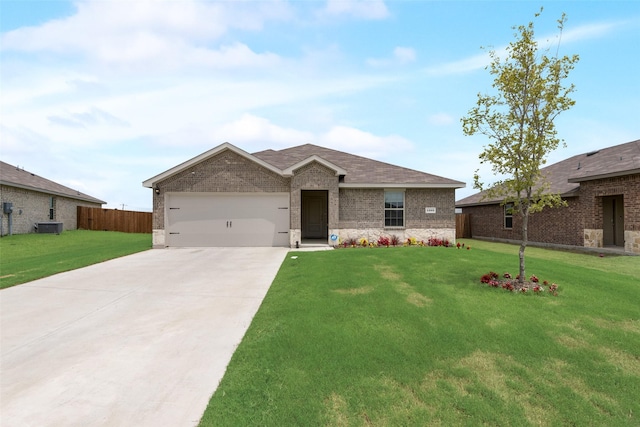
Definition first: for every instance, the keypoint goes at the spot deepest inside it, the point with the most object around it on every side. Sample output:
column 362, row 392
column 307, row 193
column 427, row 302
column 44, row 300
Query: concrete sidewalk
column 138, row 341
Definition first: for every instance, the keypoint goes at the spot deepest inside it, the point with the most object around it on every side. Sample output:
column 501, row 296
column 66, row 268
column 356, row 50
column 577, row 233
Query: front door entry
column 613, row 218
column 315, row 214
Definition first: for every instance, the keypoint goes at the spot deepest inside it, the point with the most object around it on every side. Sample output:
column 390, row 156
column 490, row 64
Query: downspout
column 10, row 223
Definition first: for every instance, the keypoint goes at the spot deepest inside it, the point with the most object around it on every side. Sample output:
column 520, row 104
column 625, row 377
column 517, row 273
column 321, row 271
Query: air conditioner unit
column 49, row 227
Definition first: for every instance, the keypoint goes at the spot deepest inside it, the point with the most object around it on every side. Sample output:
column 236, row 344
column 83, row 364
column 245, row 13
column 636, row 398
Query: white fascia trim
column 207, row 154
column 315, row 158
column 405, row 185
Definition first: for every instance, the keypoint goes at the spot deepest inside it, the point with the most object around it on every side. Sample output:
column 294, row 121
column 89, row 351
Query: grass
column 408, row 336
column 26, row 257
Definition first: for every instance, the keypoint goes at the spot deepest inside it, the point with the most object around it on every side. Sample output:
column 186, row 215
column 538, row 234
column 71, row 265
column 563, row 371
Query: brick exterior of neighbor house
column 354, row 186
column 561, row 225
column 36, row 199
column 590, row 184
column 31, row 207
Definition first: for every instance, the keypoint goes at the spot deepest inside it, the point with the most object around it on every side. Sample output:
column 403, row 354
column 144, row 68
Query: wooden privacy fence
column 463, row 226
column 113, row 220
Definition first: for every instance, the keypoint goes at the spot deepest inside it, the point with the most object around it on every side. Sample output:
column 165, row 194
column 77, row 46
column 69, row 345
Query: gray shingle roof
column 12, row 176
column 360, row 170
column 565, row 176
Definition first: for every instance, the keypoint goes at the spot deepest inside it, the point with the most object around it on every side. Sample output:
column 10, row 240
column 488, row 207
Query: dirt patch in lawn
column 355, row 291
column 387, row 272
column 337, row 410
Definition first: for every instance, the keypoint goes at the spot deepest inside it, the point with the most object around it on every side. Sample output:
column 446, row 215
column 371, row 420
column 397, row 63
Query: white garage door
column 214, row 219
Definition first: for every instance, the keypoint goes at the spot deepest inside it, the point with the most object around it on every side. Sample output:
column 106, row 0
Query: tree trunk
column 523, row 244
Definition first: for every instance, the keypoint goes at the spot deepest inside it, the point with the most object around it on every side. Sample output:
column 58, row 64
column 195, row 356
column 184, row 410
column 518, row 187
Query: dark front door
column 315, row 214
column 613, row 218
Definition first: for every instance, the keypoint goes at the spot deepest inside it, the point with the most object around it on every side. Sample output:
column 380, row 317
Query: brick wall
column 314, row 176
column 416, row 200
column 361, row 208
column 561, row 225
column 225, row 172
column 364, row 208
column 592, row 193
column 30, row 207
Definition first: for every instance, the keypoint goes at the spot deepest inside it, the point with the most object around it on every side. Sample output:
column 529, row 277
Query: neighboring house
column 602, row 191
column 299, row 195
column 34, row 200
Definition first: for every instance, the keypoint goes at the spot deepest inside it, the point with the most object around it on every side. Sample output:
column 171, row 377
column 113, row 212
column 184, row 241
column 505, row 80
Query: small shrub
column 351, row 242
column 395, row 240
column 435, row 241
column 492, row 279
column 383, row 241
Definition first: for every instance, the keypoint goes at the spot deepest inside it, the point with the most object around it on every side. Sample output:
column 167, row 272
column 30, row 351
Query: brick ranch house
column 602, row 191
column 300, row 195
column 34, row 199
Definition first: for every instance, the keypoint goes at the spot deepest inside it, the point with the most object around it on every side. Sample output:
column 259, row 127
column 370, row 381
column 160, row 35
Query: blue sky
column 101, row 95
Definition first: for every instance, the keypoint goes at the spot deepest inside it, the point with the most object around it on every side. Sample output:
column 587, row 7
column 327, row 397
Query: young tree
column 519, row 122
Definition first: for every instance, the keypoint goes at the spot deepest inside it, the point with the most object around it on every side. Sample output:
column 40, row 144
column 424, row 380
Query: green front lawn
column 26, row 257
column 408, row 336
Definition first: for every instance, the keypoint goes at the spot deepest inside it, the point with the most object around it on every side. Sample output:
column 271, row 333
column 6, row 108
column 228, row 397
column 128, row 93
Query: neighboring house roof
column 565, row 176
column 357, row 171
column 14, row 177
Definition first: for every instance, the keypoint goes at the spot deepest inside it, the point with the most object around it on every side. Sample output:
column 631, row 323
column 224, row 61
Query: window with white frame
column 508, row 215
column 394, row 208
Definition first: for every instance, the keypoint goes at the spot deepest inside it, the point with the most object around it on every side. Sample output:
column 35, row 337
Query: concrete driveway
column 138, row 341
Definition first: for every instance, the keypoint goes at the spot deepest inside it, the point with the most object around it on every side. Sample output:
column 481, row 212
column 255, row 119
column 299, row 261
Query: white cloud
column 363, row 9
column 401, row 56
column 253, row 133
column 440, row 119
column 404, row 54
column 89, row 118
column 586, row 32
column 148, row 32
column 364, row 143
column 481, row 60
column 462, row 66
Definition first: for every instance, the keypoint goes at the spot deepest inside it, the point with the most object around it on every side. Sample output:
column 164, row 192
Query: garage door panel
column 228, row 220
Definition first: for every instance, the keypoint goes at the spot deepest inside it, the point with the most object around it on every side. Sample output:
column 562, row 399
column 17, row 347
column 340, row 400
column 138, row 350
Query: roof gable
column 204, row 156
column 314, row 158
column 14, row 177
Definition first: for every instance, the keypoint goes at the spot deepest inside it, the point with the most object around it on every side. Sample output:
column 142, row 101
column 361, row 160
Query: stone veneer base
column 373, row 234
column 632, row 241
column 593, row 238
